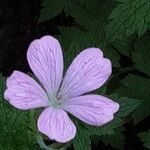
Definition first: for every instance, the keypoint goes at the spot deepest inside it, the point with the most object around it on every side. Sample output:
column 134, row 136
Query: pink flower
column 88, row 71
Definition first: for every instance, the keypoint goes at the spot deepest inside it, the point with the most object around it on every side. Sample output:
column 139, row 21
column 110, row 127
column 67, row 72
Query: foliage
column 116, row 140
column 51, row 9
column 137, row 87
column 145, row 137
column 82, row 140
column 128, row 17
column 142, row 54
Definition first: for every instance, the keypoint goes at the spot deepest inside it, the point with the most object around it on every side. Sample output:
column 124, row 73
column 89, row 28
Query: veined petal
column 56, row 124
column 92, row 109
column 23, row 92
column 88, row 71
column 46, row 61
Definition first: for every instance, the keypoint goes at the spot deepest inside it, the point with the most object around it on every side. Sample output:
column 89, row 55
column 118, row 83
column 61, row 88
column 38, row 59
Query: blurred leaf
column 128, row 17
column 125, row 45
column 145, row 138
column 51, row 8
column 68, row 34
column 113, row 55
column 82, row 15
column 106, row 129
column 138, row 88
column 116, row 140
column 141, row 56
column 84, row 133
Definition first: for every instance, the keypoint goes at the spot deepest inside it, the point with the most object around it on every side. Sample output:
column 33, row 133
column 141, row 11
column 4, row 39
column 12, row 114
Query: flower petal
column 23, row 92
column 46, row 61
column 88, row 71
column 56, row 124
column 91, row 109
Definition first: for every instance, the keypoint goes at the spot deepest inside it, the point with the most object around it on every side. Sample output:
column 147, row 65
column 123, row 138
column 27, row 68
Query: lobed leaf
column 50, row 9
column 128, row 17
column 141, row 54
column 82, row 139
column 138, row 88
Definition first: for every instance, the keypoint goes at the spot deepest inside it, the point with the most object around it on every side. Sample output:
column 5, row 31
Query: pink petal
column 46, row 61
column 92, row 109
column 23, row 92
column 56, row 124
column 88, row 71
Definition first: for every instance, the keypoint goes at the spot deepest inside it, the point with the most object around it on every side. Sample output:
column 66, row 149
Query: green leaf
column 113, row 55
column 145, row 138
column 82, row 15
column 51, row 8
column 92, row 14
column 68, row 34
column 142, row 54
column 128, row 17
column 125, row 45
column 106, row 129
column 137, row 88
column 116, row 140
column 82, row 139
column 14, row 126
column 84, row 133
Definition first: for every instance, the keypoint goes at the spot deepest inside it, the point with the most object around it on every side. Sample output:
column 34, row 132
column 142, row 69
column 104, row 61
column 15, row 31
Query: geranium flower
column 58, row 95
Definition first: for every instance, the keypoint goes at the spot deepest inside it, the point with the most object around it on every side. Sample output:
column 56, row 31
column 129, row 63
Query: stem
column 58, row 145
column 42, row 144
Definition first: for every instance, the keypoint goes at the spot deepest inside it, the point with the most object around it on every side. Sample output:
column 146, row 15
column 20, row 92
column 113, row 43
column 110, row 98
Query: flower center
column 54, row 102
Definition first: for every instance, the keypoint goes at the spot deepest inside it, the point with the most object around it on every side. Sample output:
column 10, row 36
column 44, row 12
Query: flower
column 88, row 71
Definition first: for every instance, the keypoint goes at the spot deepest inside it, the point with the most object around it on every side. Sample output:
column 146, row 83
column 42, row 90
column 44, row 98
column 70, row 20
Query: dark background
column 18, row 27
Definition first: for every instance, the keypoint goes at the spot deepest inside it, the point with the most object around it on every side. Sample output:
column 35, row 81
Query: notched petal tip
column 9, row 82
column 88, row 71
column 95, row 110
column 48, row 37
column 116, row 107
column 10, row 79
column 7, row 95
column 37, row 42
column 96, row 50
column 24, row 93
